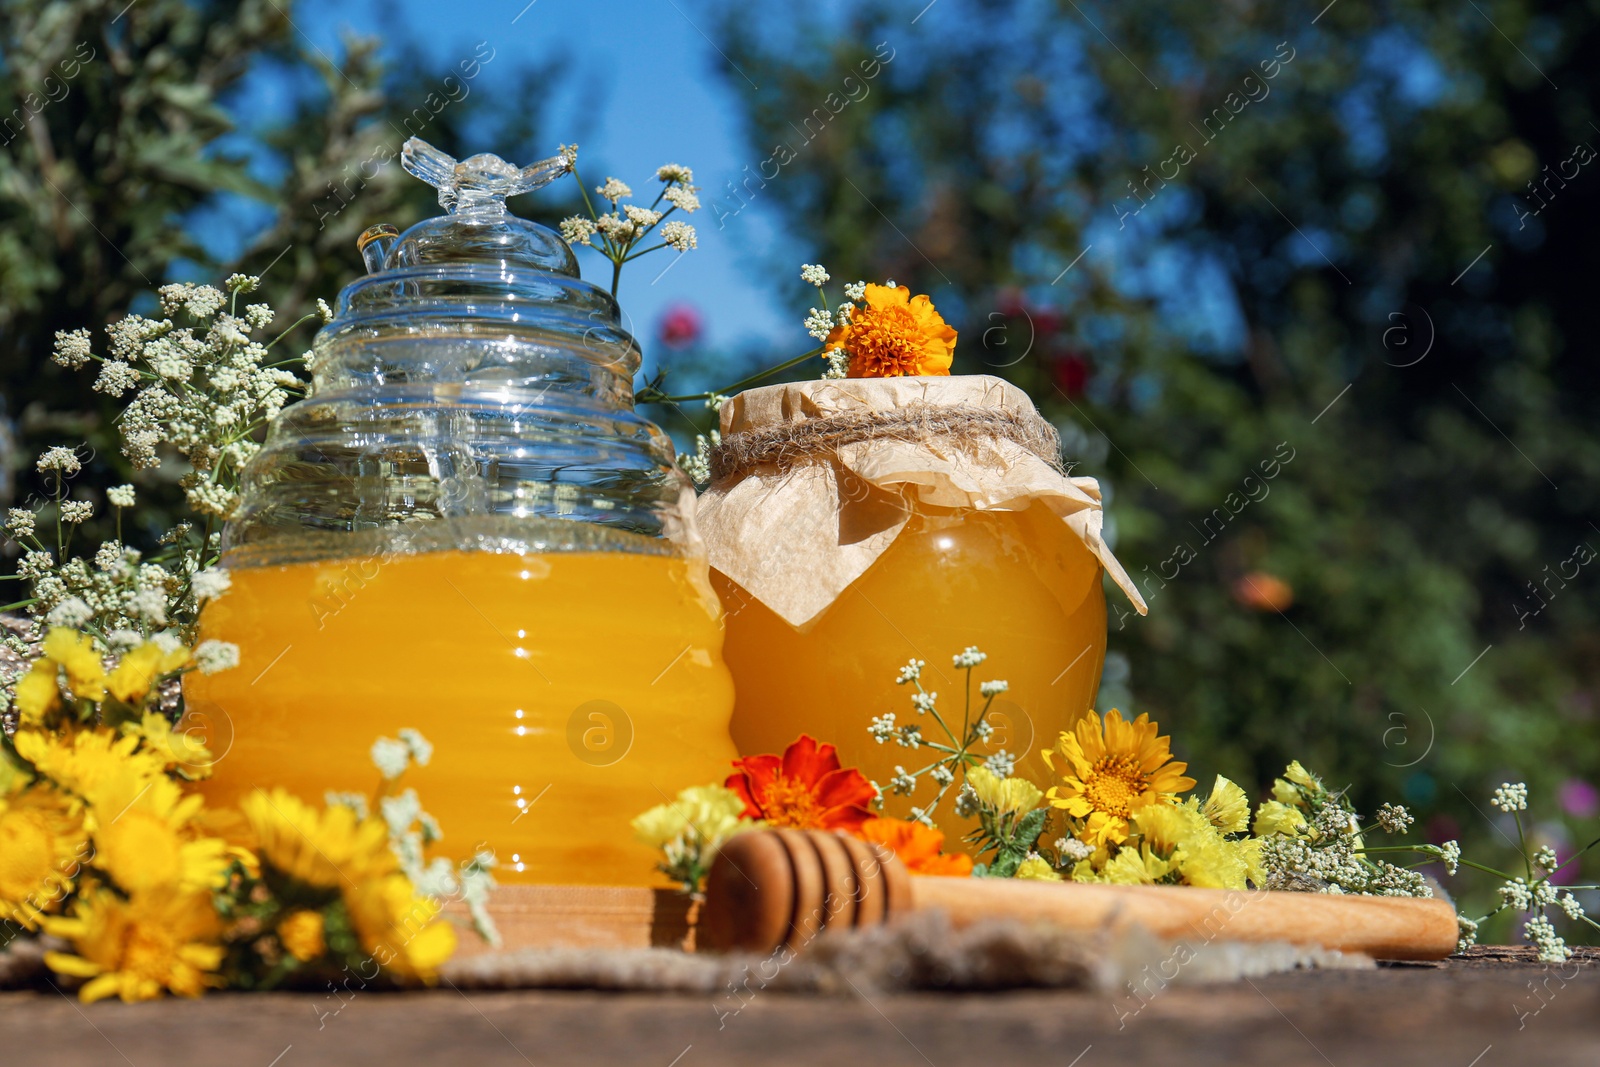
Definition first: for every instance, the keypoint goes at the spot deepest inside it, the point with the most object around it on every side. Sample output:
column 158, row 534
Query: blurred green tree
column 1349, row 248
column 132, row 154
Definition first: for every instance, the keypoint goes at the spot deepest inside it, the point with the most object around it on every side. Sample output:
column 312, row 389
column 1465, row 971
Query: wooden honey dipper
column 769, row 889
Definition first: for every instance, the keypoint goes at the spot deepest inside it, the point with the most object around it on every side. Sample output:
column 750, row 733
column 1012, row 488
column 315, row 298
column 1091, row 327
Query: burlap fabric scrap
column 814, row 480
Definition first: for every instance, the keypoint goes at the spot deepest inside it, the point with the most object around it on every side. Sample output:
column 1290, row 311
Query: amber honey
column 563, row 693
column 1019, row 585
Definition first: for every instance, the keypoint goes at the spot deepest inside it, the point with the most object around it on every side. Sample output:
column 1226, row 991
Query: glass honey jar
column 466, row 530
column 856, row 525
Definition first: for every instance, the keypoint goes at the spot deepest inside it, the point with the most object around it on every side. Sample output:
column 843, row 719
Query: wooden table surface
column 1494, row 1008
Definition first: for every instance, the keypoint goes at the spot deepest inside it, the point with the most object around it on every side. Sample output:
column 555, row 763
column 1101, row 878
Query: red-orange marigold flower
column 918, row 846
column 894, row 334
column 805, row 788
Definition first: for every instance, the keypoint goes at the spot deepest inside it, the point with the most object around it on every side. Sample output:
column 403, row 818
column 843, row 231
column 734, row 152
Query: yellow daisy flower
column 143, row 837
column 1107, row 774
column 42, row 845
column 138, row 670
column 300, row 932
column 38, row 693
column 398, row 927
column 1191, row 845
column 139, row 947
column 178, row 749
column 80, row 760
column 323, row 848
column 1008, row 796
column 86, row 675
column 1134, row 866
column 1227, row 807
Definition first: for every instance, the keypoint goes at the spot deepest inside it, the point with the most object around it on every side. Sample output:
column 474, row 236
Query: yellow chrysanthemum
column 42, row 844
column 1276, row 817
column 38, row 693
column 181, row 750
column 139, row 947
column 1014, row 796
column 300, row 933
column 138, row 670
column 711, row 812
column 80, row 760
column 143, row 837
column 895, row 334
column 86, row 675
column 1037, row 869
column 398, row 927
column 1107, row 774
column 324, row 848
column 1133, row 866
column 1227, row 807
column 1193, row 848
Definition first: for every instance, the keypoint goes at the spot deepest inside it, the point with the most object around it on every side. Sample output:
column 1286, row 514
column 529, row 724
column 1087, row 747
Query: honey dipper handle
column 1393, row 928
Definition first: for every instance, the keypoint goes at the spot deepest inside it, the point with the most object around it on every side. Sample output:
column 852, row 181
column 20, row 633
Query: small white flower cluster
column 212, row 656
column 621, row 228
column 942, row 774
column 698, row 465
column 909, row 736
column 838, row 364
column 1072, row 850
column 1325, row 854
column 1001, row 764
column 967, row 804
column 1546, row 857
column 993, row 689
column 924, row 702
column 411, row 830
column 969, row 657
column 882, row 727
column 1511, row 797
column 1542, row 932
column 1450, row 856
column 1394, row 818
column 202, row 389
column 813, row 274
column 902, row 783
column 911, row 672
column 819, row 323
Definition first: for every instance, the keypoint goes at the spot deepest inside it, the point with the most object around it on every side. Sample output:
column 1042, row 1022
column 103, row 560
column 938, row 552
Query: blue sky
column 661, row 100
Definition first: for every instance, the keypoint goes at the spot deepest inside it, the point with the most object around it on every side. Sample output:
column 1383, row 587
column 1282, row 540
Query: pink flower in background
column 1578, row 798
column 680, row 327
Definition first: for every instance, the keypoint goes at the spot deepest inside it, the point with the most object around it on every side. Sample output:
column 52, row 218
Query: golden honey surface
column 1019, row 585
column 564, row 693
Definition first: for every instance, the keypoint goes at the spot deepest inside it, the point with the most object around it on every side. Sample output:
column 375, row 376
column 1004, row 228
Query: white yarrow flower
column 679, row 236
column 20, row 521
column 120, row 496
column 642, row 217
column 1511, row 796
column 60, row 459
column 211, row 583
column 614, row 190
column 993, row 689
column 682, row 198
column 819, row 323
column 577, row 229
column 72, row 348
column 675, row 172
column 970, row 657
column 76, row 511
column 72, row 612
column 813, row 274
column 391, row 757
column 212, row 656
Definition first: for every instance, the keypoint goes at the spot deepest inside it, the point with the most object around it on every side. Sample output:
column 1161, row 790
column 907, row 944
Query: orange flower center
column 886, row 341
column 788, row 802
column 1114, row 784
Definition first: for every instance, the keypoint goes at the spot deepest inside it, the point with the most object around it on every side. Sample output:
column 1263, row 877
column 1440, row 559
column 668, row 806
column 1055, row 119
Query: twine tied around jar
column 814, row 480
column 964, row 426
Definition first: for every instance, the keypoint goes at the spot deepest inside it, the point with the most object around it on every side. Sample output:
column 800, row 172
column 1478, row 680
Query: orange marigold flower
column 895, row 334
column 804, row 788
column 919, row 847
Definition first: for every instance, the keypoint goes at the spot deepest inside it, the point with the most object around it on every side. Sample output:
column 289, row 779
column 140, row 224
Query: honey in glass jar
column 856, row 525
column 466, row 530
